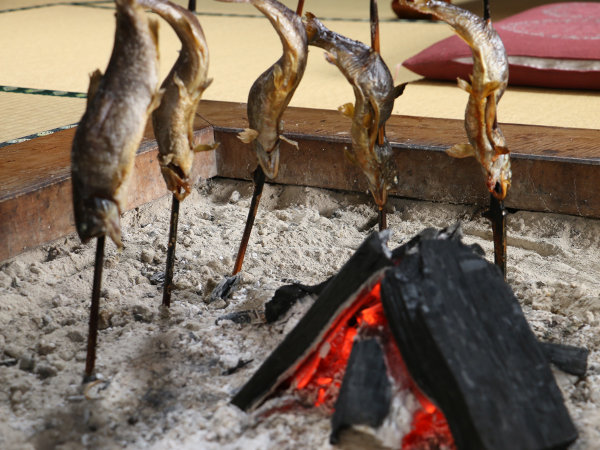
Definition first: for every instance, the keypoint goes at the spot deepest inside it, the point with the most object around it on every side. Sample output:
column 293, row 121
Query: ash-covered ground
column 169, row 375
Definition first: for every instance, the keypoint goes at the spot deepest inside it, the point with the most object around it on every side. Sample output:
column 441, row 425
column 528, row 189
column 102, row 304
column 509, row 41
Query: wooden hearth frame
column 554, row 169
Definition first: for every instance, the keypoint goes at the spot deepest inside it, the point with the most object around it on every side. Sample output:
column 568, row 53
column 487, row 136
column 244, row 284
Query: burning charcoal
column 468, row 346
column 568, row 358
column 365, row 394
column 363, row 267
column 286, row 296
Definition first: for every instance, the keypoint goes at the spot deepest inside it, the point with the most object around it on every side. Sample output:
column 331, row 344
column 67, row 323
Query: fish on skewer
column 173, row 120
column 272, row 91
column 103, row 153
column 268, row 98
column 374, row 93
column 111, row 129
column 487, row 85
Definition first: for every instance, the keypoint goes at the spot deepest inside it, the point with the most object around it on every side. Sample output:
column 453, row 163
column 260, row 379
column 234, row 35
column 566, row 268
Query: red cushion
column 566, row 35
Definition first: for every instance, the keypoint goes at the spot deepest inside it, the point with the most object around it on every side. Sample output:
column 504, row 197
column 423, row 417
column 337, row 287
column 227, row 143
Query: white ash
column 165, row 383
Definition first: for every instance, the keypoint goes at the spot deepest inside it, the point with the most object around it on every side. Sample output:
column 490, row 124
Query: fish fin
column 464, row 85
column 156, row 99
column 153, row 24
column 179, row 83
column 347, row 110
column 501, row 150
column 490, row 88
column 461, row 151
column 398, row 90
column 248, row 135
column 205, row 147
column 289, row 141
column 95, row 78
column 330, row 58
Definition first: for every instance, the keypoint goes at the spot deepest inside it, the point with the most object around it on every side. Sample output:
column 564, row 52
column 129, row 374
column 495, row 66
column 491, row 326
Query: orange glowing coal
column 318, row 379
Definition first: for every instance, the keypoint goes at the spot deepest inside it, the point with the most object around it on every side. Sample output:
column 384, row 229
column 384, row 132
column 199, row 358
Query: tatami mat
column 56, row 46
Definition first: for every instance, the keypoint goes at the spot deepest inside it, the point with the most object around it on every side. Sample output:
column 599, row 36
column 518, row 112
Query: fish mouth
column 177, row 182
column 269, row 161
column 100, row 217
column 499, row 189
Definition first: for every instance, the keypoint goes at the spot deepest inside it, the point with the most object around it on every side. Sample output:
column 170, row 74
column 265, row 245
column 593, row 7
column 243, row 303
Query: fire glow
column 318, row 379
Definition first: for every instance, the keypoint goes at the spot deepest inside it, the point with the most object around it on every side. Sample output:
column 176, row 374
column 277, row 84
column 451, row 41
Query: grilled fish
column 375, row 94
column 272, row 91
column 173, row 120
column 488, row 83
column 118, row 105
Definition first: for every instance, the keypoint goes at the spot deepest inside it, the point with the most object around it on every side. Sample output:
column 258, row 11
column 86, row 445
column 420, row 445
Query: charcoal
column 468, row 346
column 243, row 317
column 366, row 392
column 224, row 289
column 362, row 268
column 568, row 358
column 286, row 296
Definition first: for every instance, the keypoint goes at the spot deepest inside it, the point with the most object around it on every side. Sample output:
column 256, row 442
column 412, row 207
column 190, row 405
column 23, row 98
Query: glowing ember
column 318, row 379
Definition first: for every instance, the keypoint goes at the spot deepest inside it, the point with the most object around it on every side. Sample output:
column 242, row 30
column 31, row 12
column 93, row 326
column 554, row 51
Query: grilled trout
column 173, row 120
column 488, row 83
column 272, row 91
column 374, row 93
column 118, row 105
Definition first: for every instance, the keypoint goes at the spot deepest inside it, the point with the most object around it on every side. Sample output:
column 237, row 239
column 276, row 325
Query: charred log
column 468, row 346
column 366, row 391
column 363, row 267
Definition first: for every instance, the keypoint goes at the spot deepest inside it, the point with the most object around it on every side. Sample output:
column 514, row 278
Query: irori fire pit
column 433, row 325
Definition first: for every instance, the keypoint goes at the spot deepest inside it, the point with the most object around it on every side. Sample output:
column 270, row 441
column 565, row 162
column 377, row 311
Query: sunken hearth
column 424, row 347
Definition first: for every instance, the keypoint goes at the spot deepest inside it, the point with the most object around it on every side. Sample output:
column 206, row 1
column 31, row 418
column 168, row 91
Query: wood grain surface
column 554, row 169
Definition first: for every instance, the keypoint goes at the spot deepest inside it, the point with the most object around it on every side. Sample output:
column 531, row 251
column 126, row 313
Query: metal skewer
column 90, row 359
column 168, row 283
column 376, row 46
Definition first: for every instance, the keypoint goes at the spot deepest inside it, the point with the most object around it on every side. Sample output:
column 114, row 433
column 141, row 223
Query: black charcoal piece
column 224, row 289
column 286, row 296
column 363, row 268
column 468, row 346
column 243, row 317
column 568, row 358
column 366, row 393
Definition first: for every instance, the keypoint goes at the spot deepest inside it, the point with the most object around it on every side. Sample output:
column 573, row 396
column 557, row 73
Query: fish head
column 499, row 177
column 177, row 182
column 98, row 217
column 269, row 161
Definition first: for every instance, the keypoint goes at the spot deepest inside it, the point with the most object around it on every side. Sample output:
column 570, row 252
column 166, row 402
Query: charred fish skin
column 488, row 83
column 173, row 120
column 375, row 93
column 118, row 105
column 272, row 91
